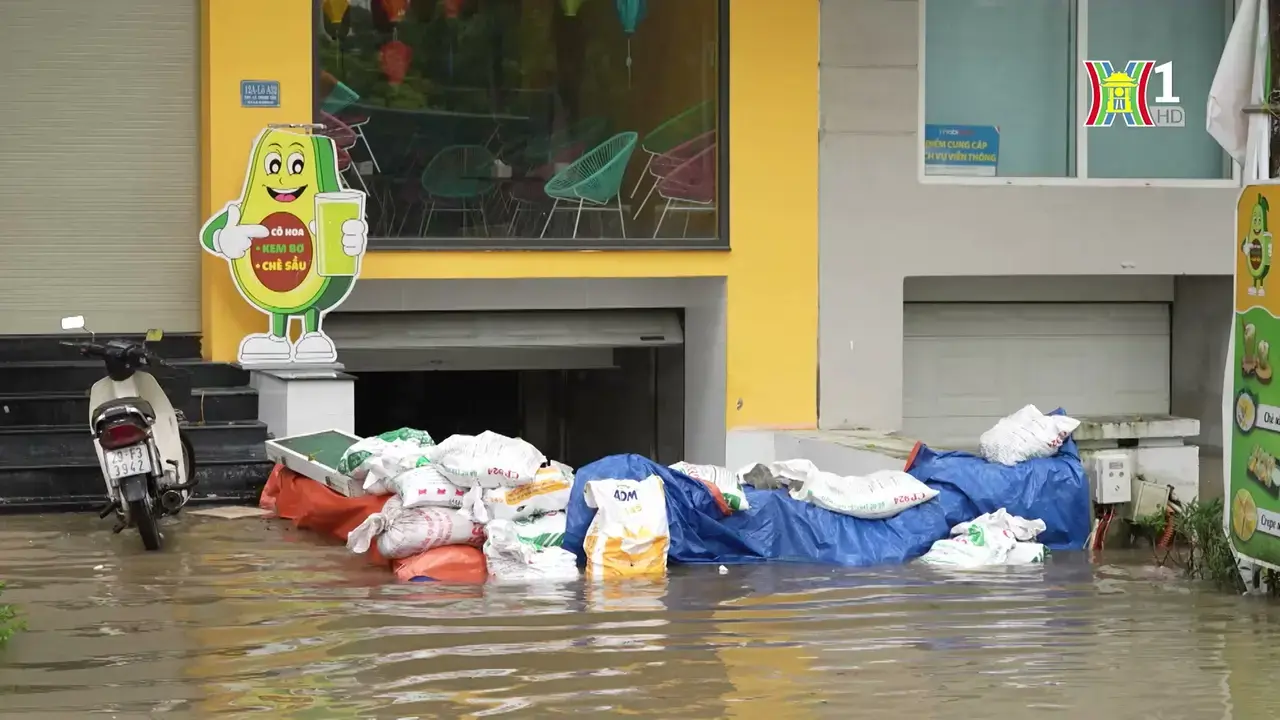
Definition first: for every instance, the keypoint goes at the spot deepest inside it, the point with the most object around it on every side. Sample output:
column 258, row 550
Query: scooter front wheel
column 146, row 523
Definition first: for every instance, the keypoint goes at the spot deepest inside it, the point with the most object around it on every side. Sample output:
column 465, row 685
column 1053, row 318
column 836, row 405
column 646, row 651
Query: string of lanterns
column 395, row 57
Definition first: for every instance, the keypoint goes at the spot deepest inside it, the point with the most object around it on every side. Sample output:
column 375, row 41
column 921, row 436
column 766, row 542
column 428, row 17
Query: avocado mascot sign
column 1252, row 415
column 294, row 240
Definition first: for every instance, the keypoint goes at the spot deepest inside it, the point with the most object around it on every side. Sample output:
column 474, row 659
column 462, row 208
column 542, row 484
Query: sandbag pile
column 450, row 493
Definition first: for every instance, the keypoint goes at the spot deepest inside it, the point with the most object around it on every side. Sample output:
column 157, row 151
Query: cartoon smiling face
column 285, row 168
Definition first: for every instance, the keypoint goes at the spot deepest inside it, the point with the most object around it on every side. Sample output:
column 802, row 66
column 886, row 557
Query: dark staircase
column 47, row 460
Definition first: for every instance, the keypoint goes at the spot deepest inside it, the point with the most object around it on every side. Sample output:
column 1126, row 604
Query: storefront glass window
column 1008, row 64
column 528, row 123
column 1016, row 74
column 1191, row 39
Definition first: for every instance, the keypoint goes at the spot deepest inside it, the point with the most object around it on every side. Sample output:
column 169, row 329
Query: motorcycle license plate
column 132, row 460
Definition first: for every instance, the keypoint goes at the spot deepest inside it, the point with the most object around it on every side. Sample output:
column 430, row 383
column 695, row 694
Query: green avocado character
column 293, row 240
column 1257, row 246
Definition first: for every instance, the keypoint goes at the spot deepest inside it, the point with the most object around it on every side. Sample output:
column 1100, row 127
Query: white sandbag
column 882, row 494
column 1024, row 435
column 721, row 478
column 1023, row 530
column 542, row 531
column 1026, row 553
column 547, row 492
column 425, row 486
column 511, row 560
column 401, row 532
column 384, row 466
column 996, row 538
column 367, row 454
column 488, row 460
column 629, row 536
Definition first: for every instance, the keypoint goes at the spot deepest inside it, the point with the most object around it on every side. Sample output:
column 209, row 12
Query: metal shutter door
column 99, row 164
column 966, row 365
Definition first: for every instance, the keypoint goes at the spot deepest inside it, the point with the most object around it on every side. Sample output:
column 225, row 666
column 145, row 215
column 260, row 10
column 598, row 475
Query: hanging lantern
column 335, row 10
column 453, row 8
column 394, row 57
column 630, row 14
column 570, row 7
column 395, row 9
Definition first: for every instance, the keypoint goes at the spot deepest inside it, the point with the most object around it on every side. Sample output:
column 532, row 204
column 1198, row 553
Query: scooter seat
column 114, row 407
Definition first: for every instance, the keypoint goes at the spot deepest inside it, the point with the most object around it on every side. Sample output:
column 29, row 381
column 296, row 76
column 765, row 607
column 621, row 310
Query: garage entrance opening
column 633, row 403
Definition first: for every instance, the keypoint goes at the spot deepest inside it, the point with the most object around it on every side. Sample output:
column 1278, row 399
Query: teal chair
column 339, row 99
column 595, row 179
column 461, row 175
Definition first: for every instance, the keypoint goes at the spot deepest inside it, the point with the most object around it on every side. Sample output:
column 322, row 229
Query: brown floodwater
column 251, row 618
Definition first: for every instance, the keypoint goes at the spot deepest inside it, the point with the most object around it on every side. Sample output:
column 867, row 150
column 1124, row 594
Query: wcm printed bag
column 629, row 536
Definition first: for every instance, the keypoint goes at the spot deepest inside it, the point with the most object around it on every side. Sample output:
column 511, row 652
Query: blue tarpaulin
column 776, row 527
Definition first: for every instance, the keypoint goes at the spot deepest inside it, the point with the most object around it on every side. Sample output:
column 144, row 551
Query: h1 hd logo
column 1128, row 95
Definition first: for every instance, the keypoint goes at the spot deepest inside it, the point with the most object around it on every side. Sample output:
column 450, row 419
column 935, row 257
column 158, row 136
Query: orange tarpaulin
column 312, row 506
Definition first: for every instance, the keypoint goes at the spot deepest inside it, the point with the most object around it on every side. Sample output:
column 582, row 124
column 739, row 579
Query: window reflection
column 540, row 120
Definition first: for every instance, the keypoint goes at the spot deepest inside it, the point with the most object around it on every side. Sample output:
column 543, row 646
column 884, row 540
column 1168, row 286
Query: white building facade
column 1088, row 269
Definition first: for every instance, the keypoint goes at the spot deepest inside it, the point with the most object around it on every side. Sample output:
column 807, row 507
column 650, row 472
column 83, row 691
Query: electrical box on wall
column 1148, row 499
column 1112, row 472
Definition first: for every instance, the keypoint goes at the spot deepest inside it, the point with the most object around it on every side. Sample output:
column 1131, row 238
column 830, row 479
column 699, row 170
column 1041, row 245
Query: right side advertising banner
column 1253, row 482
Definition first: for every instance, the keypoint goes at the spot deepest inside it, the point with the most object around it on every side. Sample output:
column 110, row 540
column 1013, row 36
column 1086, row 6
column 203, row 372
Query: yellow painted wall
column 773, row 184
column 242, row 40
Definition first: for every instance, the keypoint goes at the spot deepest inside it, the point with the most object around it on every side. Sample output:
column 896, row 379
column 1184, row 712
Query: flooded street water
column 253, row 618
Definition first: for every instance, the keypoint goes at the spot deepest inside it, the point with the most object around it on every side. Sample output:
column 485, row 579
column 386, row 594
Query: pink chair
column 345, row 163
column 356, row 123
column 343, row 136
column 663, row 164
column 689, row 188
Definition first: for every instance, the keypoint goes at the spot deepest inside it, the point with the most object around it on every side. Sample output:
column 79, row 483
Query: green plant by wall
column 1200, row 546
column 9, row 621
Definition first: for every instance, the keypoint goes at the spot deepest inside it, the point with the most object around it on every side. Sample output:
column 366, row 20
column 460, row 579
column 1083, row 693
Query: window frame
column 719, row 242
column 1079, row 142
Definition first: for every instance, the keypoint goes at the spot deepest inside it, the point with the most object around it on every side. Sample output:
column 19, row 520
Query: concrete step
column 63, row 376
column 43, row 447
column 72, row 408
column 81, row 488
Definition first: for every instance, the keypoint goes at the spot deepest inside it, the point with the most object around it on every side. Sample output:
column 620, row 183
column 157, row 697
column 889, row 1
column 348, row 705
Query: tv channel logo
column 1127, row 95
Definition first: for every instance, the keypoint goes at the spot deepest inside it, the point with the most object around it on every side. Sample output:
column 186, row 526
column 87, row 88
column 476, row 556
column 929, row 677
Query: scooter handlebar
column 85, row 348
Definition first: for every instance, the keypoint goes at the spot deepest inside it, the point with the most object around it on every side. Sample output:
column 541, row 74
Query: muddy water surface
column 250, row 618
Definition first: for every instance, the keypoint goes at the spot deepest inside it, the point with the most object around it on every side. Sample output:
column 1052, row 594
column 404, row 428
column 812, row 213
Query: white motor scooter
column 145, row 457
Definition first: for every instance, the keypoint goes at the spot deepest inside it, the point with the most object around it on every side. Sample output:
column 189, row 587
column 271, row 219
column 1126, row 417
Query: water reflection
column 247, row 617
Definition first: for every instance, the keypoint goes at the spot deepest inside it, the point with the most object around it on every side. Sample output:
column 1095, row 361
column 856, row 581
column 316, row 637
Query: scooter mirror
column 155, row 335
column 75, row 322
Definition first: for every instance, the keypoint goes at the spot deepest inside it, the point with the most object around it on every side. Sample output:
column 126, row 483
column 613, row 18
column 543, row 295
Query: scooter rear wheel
column 146, row 523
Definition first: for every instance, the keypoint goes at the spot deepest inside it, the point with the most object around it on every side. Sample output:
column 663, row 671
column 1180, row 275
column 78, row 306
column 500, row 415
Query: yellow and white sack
column 547, row 492
column 629, row 536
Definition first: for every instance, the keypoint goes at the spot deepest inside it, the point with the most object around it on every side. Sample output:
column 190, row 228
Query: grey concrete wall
column 878, row 224
column 1201, row 327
